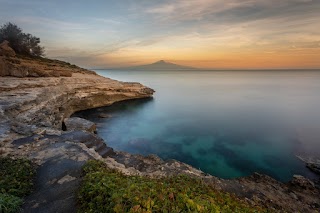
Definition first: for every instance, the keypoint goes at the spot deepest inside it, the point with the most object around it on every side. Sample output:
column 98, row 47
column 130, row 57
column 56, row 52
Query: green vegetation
column 105, row 190
column 9, row 203
column 16, row 181
column 21, row 43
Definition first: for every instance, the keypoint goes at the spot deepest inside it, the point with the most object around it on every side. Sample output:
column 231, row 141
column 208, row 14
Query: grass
column 105, row 190
column 9, row 203
column 16, row 181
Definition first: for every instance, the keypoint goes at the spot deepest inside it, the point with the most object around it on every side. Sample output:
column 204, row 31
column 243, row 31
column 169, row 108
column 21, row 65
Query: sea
column 228, row 123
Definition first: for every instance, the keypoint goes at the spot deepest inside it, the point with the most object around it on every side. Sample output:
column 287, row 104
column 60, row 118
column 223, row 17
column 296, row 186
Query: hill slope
column 160, row 65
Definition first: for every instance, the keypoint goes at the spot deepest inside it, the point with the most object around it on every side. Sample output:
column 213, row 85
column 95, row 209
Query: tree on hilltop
column 21, row 43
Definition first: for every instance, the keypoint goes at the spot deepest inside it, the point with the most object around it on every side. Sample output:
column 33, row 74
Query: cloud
column 51, row 23
column 207, row 31
column 229, row 10
column 106, row 21
column 163, row 9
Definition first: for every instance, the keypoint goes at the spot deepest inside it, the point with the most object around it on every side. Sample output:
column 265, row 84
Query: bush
column 105, row 190
column 16, row 176
column 9, row 203
column 16, row 181
column 21, row 43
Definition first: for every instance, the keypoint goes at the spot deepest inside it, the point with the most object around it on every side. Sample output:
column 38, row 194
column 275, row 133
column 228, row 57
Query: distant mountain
column 160, row 65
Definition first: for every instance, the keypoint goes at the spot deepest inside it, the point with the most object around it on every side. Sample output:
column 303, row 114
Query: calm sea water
column 226, row 123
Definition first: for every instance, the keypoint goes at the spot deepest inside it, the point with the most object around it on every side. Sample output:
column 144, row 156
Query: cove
column 226, row 123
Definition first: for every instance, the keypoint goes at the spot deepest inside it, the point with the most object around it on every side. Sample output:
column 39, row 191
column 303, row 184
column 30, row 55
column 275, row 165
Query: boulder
column 6, row 50
column 76, row 123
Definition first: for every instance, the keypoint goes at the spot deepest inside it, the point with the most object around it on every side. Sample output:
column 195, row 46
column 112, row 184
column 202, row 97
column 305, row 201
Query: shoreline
column 32, row 110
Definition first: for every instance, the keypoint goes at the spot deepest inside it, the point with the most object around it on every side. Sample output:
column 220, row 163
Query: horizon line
column 213, row 69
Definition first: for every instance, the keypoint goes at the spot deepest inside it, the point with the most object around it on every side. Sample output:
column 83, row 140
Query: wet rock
column 76, row 123
column 315, row 167
column 312, row 163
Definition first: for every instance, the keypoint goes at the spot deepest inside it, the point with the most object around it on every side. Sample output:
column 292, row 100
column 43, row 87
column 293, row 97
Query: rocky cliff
column 33, row 108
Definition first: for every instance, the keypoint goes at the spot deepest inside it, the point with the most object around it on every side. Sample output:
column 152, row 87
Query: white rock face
column 45, row 102
column 28, row 105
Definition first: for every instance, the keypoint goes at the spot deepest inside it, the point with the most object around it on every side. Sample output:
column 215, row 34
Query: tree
column 21, row 43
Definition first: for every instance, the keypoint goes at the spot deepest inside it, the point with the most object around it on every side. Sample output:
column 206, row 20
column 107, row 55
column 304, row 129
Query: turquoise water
column 226, row 123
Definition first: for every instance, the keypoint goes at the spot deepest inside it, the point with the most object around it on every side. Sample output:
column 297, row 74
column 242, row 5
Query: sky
column 235, row 34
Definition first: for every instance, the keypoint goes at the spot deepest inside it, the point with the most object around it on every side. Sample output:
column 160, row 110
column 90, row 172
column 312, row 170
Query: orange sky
column 201, row 33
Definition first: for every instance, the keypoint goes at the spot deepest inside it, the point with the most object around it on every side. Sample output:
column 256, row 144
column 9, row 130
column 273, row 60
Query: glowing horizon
column 250, row 34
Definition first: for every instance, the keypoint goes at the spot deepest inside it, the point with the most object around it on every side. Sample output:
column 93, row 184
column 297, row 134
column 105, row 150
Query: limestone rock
column 76, row 123
column 6, row 50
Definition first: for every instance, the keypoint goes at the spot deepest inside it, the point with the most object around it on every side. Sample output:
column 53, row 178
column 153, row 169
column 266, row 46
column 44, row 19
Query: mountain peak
column 161, row 65
column 160, row 62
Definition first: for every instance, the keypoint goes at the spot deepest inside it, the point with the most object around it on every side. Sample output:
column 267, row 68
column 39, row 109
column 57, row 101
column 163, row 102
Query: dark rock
column 106, row 152
column 57, row 181
column 76, row 123
column 103, row 115
column 22, row 141
column 315, row 167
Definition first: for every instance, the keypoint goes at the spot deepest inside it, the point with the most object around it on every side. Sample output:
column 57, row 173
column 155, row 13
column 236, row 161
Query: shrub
column 9, row 203
column 21, row 43
column 16, row 176
column 105, row 190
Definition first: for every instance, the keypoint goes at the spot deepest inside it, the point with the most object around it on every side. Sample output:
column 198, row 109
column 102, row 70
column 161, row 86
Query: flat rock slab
column 80, row 137
column 76, row 123
column 57, row 179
